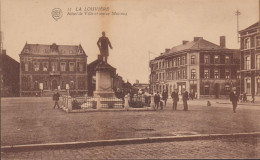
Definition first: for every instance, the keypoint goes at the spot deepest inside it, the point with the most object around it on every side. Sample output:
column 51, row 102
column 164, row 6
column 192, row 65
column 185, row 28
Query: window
column 184, row 74
column 71, row 66
column 206, row 73
column 227, row 88
column 247, row 43
column 174, row 62
column 227, row 75
column 26, row 67
column 247, row 62
column 257, row 61
column 193, row 59
column 216, row 59
column 159, row 65
column 45, row 85
column 36, row 85
column 193, row 74
column 63, row 66
column 36, row 66
column 257, row 41
column 258, row 86
column 216, row 74
column 54, row 67
column 160, row 77
column 63, row 85
column 71, row 84
column 163, row 76
column 248, row 86
column 227, row 59
column 45, row 66
column 206, row 59
column 178, row 74
column 179, row 61
column 183, row 60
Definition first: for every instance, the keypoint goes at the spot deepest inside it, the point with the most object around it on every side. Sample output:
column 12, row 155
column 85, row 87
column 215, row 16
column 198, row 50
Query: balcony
column 54, row 73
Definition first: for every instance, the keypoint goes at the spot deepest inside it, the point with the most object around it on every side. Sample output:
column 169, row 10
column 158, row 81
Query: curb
column 81, row 144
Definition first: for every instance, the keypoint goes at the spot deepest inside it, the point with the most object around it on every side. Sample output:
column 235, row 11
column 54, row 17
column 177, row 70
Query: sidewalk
column 227, row 148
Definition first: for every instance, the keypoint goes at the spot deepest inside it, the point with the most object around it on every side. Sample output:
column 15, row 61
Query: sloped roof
column 257, row 24
column 192, row 45
column 43, row 49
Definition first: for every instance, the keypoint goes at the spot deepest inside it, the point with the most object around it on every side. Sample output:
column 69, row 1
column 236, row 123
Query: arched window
column 247, row 43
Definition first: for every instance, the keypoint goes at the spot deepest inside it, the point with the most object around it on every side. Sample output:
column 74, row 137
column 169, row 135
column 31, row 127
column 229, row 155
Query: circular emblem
column 56, row 13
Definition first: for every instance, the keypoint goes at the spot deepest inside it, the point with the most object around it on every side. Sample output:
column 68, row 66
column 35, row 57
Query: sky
column 144, row 30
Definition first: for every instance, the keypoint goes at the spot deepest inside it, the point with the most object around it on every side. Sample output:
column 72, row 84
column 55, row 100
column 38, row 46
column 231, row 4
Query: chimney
column 4, row 51
column 137, row 82
column 184, row 42
column 161, row 54
column 222, row 42
column 197, row 38
column 167, row 50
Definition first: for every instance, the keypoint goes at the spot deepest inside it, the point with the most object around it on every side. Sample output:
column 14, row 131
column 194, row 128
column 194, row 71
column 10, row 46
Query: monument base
column 104, row 94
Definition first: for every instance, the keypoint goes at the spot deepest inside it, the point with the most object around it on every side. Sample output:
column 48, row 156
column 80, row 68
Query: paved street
column 34, row 121
column 223, row 148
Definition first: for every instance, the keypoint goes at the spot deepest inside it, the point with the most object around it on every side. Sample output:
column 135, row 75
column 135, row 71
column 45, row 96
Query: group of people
column 175, row 98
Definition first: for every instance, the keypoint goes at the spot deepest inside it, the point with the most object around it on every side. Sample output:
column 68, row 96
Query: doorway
column 54, row 84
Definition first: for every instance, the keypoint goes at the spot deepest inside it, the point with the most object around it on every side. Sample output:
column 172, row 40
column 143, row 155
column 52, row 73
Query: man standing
column 56, row 98
column 234, row 98
column 157, row 100
column 103, row 43
column 165, row 96
column 185, row 98
column 175, row 99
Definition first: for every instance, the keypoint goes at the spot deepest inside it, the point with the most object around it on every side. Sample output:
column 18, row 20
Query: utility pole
column 237, row 14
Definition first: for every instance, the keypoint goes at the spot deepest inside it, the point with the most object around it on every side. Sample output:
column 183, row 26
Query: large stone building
column 250, row 59
column 49, row 67
column 9, row 75
column 198, row 66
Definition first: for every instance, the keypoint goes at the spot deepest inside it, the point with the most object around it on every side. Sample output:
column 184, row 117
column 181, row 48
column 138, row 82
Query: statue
column 103, row 43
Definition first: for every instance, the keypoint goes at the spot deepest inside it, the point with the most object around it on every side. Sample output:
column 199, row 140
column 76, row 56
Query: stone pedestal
column 104, row 81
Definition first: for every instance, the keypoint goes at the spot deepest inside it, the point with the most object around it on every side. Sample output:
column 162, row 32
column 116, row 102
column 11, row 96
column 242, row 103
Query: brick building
column 50, row 67
column 197, row 66
column 250, row 59
column 9, row 72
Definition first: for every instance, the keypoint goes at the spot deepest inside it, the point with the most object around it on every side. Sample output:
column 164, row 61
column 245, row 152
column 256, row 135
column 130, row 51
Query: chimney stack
column 184, row 42
column 197, row 38
column 137, row 81
column 222, row 42
column 167, row 50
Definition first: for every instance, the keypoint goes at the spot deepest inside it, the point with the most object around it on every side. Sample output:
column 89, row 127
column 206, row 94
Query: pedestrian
column 185, row 98
column 157, row 100
column 175, row 99
column 165, row 97
column 56, row 97
column 244, row 97
column 253, row 98
column 234, row 98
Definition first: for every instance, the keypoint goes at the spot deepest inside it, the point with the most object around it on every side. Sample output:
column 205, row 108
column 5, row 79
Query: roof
column 197, row 44
column 257, row 24
column 43, row 49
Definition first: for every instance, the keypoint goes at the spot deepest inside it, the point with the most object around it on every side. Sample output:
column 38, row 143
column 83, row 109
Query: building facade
column 45, row 68
column 250, row 59
column 9, row 74
column 198, row 66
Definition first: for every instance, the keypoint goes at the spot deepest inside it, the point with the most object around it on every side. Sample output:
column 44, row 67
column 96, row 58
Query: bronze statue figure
column 103, row 43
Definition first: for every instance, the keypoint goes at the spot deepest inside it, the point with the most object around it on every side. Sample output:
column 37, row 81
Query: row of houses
column 208, row 69
column 45, row 68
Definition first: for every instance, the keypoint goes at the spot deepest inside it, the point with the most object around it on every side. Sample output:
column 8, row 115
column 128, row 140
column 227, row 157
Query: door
column 54, row 84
